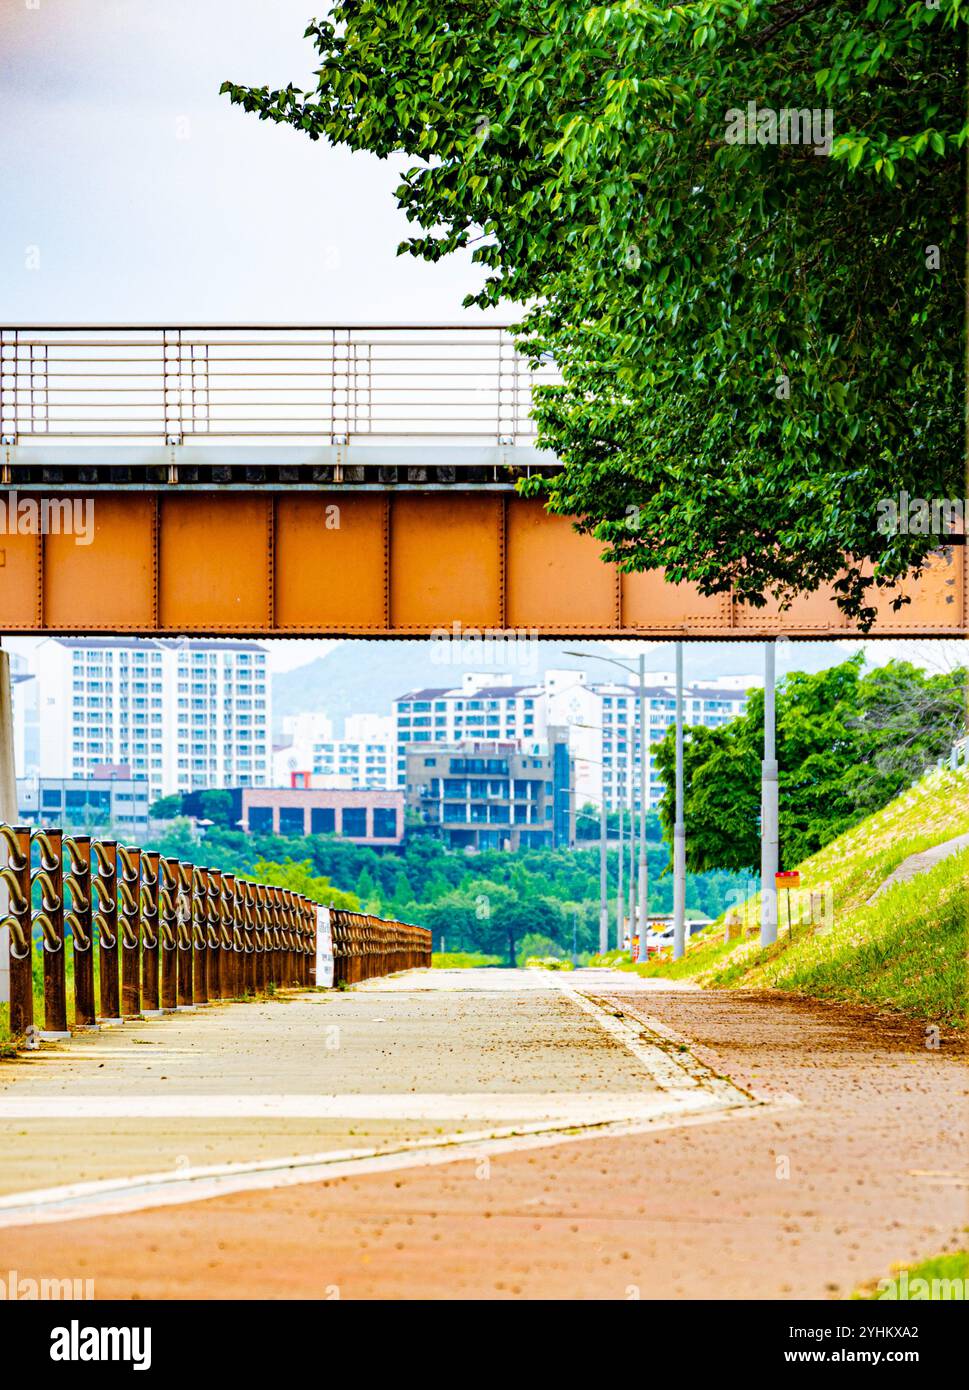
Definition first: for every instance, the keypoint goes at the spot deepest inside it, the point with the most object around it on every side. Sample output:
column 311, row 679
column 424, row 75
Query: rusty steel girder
column 387, row 564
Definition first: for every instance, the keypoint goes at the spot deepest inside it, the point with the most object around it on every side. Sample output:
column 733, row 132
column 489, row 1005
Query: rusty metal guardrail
column 327, row 384
column 168, row 934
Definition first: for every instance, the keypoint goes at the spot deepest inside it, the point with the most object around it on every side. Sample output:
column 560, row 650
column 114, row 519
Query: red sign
column 790, row 878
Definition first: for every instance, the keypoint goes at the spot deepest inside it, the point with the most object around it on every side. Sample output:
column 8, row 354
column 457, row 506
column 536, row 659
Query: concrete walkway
column 920, row 863
column 239, row 1096
column 487, row 1134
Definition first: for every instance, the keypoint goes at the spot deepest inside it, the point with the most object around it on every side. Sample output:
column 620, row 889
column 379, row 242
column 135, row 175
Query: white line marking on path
column 114, row 1196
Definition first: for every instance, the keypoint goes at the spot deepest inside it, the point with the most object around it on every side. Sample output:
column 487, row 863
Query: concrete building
column 362, row 758
column 481, row 707
column 184, row 715
column 110, row 800
column 602, row 720
column 478, row 794
column 373, row 817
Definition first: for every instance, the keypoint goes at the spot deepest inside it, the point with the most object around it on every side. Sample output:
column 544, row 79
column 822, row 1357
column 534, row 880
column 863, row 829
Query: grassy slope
column 906, row 951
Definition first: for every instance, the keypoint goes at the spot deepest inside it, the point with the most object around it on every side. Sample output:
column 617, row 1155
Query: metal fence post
column 50, row 918
column 213, row 943
column 78, row 884
column 186, row 936
column 106, row 920
column 249, row 933
column 129, row 887
column 261, row 916
column 149, row 932
column 16, row 876
column 199, row 880
column 168, row 931
column 230, row 956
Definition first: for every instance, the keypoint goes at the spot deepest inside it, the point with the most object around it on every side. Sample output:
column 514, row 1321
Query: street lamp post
column 619, row 893
column 769, row 835
column 603, row 878
column 603, row 881
column 643, row 955
column 679, row 825
column 643, row 870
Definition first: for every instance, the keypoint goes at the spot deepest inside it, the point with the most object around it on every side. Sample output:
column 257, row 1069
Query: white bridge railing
column 312, row 385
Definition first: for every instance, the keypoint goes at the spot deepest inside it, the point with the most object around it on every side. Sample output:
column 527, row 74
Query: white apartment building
column 603, row 721
column 362, row 760
column 481, row 707
column 183, row 715
column 709, row 704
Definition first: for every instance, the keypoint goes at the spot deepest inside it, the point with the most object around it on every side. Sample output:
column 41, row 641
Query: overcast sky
column 149, row 197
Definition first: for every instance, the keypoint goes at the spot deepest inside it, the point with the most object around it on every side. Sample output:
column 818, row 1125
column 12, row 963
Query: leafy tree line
column 759, row 338
column 485, row 902
column 848, row 742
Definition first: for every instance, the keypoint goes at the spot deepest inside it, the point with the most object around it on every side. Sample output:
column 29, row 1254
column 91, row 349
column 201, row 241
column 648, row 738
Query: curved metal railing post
column 105, row 885
column 129, row 889
column 168, row 931
column 16, row 875
column 186, row 996
column 78, row 884
column 49, row 876
column 213, row 933
column 231, row 955
column 199, row 929
column 149, row 931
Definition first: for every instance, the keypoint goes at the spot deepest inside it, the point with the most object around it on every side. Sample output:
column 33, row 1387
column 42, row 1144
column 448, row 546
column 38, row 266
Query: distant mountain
column 364, row 677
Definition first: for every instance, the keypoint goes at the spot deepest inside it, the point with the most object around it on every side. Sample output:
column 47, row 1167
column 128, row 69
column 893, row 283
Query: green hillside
column 905, row 951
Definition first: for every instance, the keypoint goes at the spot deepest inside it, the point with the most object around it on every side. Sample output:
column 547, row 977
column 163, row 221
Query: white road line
column 562, row 1108
column 114, row 1196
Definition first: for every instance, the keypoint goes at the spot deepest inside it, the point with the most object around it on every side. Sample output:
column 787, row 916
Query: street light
column 603, row 882
column 643, row 893
column 679, row 824
column 769, row 835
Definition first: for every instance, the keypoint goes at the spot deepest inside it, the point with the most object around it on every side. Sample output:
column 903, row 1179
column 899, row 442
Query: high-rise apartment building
column 602, row 719
column 362, row 759
column 183, row 715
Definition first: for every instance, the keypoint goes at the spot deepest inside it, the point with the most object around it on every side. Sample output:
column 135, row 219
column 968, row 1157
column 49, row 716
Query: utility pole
column 769, row 832
column 679, row 825
column 643, row 895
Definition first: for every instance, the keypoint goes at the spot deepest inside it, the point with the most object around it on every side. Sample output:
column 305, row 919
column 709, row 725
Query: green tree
column 848, row 742
column 299, row 878
column 216, row 806
column 166, row 807
column 757, row 344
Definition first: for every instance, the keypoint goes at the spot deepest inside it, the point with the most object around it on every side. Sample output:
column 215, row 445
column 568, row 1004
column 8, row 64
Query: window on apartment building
column 385, row 822
column 353, row 821
column 261, row 819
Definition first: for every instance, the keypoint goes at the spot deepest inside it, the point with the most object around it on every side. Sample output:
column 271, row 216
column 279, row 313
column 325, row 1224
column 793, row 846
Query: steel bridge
column 326, row 480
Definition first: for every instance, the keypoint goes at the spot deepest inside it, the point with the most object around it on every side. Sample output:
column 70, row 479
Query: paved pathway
column 920, row 863
column 484, row 1134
